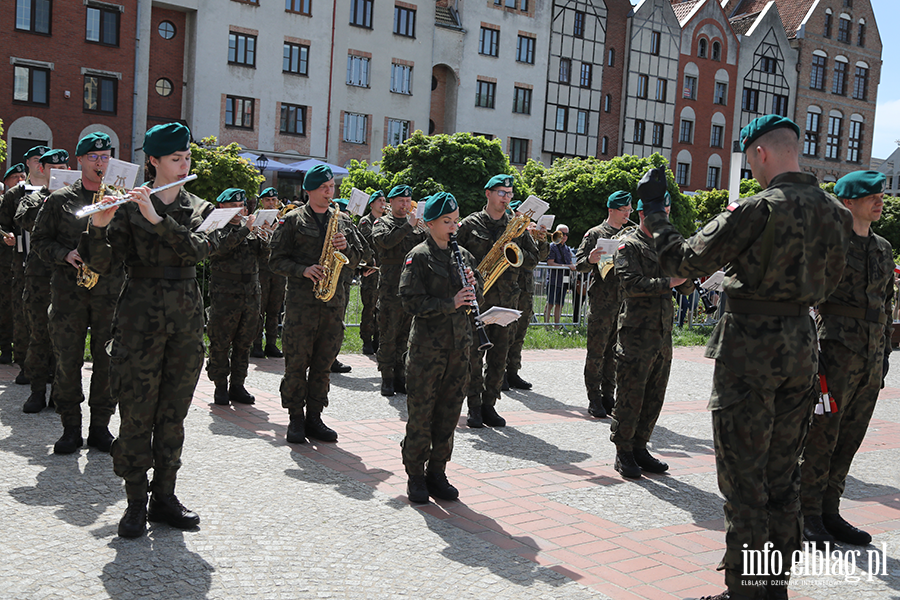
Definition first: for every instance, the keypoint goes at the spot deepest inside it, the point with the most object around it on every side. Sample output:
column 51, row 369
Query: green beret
column 55, row 157
column 499, row 180
column 16, row 168
column 162, row 140
column 640, row 204
column 763, row 125
column 860, row 184
column 232, row 195
column 619, row 199
column 514, row 205
column 375, row 196
column 438, row 205
column 316, row 176
column 93, row 142
column 269, row 192
column 403, row 191
column 36, row 151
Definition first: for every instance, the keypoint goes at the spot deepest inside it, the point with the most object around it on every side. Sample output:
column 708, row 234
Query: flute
column 483, row 342
column 90, row 209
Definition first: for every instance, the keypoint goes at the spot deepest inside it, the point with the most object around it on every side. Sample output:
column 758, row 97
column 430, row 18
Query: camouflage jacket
column 394, row 237
column 365, row 231
column 868, row 283
column 787, row 244
column 646, row 294
column 153, row 305
column 8, row 206
column 57, row 232
column 428, row 283
column 297, row 244
column 234, row 253
column 605, row 294
column 26, row 214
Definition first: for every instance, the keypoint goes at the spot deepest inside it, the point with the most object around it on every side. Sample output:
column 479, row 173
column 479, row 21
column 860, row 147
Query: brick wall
column 613, row 77
column 166, row 60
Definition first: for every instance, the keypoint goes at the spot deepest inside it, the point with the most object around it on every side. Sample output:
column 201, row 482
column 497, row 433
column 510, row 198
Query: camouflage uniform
column 271, row 300
column 439, row 344
column 73, row 309
column 644, row 347
column 21, row 331
column 313, row 330
column 784, row 251
column 368, row 289
column 605, row 298
column 157, row 350
column 6, row 308
column 852, row 352
column 525, row 303
column 233, row 302
column 477, row 233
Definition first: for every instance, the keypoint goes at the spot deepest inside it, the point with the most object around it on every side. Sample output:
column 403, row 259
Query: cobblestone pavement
column 542, row 513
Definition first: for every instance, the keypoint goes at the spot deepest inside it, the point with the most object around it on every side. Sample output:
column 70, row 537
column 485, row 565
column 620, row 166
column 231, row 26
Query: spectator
column 560, row 256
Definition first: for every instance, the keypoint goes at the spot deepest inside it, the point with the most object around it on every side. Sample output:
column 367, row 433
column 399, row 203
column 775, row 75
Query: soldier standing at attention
column 74, row 308
column 394, row 234
column 313, row 329
column 783, row 251
column 854, row 327
column 11, row 178
column 368, row 289
column 233, row 300
column 157, row 351
column 439, row 345
column 271, row 292
column 605, row 298
column 643, row 349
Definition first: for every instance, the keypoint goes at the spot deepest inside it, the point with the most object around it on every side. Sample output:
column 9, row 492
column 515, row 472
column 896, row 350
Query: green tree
column 219, row 168
column 2, row 144
column 363, row 178
column 709, row 203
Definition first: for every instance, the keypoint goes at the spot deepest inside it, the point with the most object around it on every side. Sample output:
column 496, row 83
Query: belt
column 864, row 314
column 162, row 272
column 241, row 277
column 764, row 307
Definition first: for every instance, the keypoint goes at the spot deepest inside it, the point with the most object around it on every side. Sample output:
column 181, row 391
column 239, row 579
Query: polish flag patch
column 731, row 207
column 409, row 260
column 621, row 246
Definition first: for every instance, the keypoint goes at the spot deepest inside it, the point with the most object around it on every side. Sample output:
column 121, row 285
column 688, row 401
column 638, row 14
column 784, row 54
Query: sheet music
column 497, row 315
column 218, row 219
column 120, row 174
column 535, row 204
column 60, row 178
column 714, row 282
column 607, row 245
column 266, row 218
column 358, row 202
column 546, row 221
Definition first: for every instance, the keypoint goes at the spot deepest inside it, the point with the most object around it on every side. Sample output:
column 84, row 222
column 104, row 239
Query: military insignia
column 621, row 246
column 98, row 144
column 731, row 207
column 453, row 205
column 409, row 260
column 711, row 228
column 507, row 182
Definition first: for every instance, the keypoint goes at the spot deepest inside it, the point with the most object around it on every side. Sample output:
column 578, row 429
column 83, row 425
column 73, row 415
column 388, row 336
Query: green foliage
column 888, row 226
column 361, row 177
column 708, row 204
column 750, row 187
column 2, row 144
column 219, row 168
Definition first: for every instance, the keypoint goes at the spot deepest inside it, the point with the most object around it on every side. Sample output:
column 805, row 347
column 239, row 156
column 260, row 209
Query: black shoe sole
column 131, row 534
column 172, row 523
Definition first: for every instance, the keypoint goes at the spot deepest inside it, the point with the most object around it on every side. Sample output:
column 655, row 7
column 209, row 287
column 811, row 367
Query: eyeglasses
column 503, row 193
column 95, row 157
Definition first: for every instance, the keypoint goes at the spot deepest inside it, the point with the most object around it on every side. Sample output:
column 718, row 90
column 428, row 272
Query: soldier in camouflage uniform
column 394, row 235
column 643, row 349
column 854, row 327
column 11, row 179
column 74, row 308
column 477, row 233
column 157, row 351
column 605, row 298
column 313, row 329
column 271, row 292
column 439, row 344
column 368, row 289
column 783, row 251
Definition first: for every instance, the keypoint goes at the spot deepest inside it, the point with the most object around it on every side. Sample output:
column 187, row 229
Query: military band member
column 394, row 234
column 74, row 308
column 605, row 298
column 854, row 327
column 313, row 329
column 271, row 292
column 783, row 251
column 368, row 290
column 11, row 179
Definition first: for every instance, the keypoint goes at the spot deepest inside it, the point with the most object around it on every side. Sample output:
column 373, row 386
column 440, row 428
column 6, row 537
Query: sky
column 887, row 113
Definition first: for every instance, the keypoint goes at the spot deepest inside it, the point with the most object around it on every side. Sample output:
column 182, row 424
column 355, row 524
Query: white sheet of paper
column 497, row 315
column 546, row 221
column 535, row 204
column 266, row 217
column 358, row 202
column 218, row 219
column 60, row 178
column 420, row 210
column 608, row 246
column 120, row 174
column 714, row 283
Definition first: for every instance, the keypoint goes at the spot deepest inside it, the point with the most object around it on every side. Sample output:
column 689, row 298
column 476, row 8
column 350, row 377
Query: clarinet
column 483, row 342
column 705, row 297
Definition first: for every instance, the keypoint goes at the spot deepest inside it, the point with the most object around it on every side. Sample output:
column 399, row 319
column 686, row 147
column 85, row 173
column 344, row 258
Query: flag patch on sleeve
column 621, row 246
column 409, row 260
column 731, row 207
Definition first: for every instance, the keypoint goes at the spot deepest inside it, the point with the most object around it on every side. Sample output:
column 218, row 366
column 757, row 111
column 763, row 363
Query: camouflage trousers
column 600, row 364
column 368, row 322
column 393, row 334
column 21, row 329
column 854, row 382
column 271, row 301
column 233, row 323
column 6, row 296
column 643, row 359
column 486, row 368
column 153, row 374
column 311, row 340
column 436, row 384
column 39, row 359
column 519, row 329
column 758, row 435
column 68, row 330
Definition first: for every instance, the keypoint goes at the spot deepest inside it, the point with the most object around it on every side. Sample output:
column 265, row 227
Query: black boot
column 814, row 531
column 387, row 383
column 417, row 490
column 595, row 406
column 100, row 438
column 609, row 403
column 626, row 465
column 490, row 417
column 648, row 463
column 238, row 394
column 317, row 430
column 70, row 441
column 516, row 381
column 35, row 403
column 368, row 349
column 133, row 523
column 272, row 351
column 844, row 531
column 22, row 378
column 474, row 419
column 6, row 355
column 296, row 432
column 504, row 387
column 339, row 367
column 439, row 487
column 400, row 384
column 165, row 508
column 257, row 351
column 220, row 397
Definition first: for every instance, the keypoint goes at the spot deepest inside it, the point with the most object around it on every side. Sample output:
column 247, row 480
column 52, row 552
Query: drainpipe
column 330, row 79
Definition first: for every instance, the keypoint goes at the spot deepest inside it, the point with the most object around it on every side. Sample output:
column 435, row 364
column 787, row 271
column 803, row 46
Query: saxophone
column 86, row 277
column 331, row 260
column 505, row 252
column 606, row 265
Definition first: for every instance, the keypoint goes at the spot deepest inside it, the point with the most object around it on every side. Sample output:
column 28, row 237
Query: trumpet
column 556, row 237
column 260, row 232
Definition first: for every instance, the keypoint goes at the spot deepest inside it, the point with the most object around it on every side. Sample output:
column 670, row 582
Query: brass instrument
column 504, row 253
column 86, row 277
column 331, row 260
column 538, row 235
column 556, row 237
column 606, row 265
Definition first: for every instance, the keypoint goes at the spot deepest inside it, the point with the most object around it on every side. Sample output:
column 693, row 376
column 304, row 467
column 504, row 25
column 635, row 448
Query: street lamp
column 261, row 163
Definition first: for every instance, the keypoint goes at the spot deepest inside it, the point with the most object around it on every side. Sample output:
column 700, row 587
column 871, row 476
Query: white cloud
column 887, row 128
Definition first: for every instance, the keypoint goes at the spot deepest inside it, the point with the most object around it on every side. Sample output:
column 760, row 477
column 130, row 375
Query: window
column 242, row 49
column 750, row 102
column 239, row 112
column 31, row 84
column 833, row 141
column 690, row 87
column 855, row 142
column 525, row 50
column 401, row 79
column 643, row 83
column 296, row 59
column 163, row 87
column 701, row 48
column 655, row 39
column 640, row 127
column 661, row 85
column 562, row 118
column 779, row 104
column 604, row 145
column 657, row 137
column 720, row 96
column 827, row 32
column 405, row 22
column 102, row 26
column 607, row 103
column 686, row 132
column 489, row 42
column 565, row 70
column 484, row 94
column 512, row 4
column 522, row 101
column 586, row 72
column 767, row 64
column 682, row 174
column 100, row 93
column 715, row 139
column 712, row 177
column 861, row 35
column 581, row 126
column 717, row 51
column 844, row 30
column 811, row 140
column 166, row 30
column 861, row 83
column 817, row 74
column 518, row 151
column 578, row 29
column 293, row 119
column 357, row 71
column 361, row 13
column 839, row 84
column 355, row 128
column 611, row 58
column 397, row 132
column 33, row 15
column 304, row 7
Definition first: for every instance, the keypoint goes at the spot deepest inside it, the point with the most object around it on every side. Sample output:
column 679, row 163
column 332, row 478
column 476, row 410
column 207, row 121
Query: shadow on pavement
column 509, row 441
column 669, row 443
column 311, row 471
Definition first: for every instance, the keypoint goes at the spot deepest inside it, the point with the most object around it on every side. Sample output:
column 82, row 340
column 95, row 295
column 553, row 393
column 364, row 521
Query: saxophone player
column 313, row 328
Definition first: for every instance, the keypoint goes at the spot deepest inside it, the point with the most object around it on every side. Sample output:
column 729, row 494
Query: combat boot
column 647, row 462
column 400, row 384
column 70, row 441
column 516, row 381
column 626, row 465
column 296, row 432
column 844, row 531
column 6, row 355
column 387, row 383
column 339, row 367
column 504, row 387
column 220, row 397
column 439, row 487
column 474, row 419
column 165, row 508
column 595, row 407
column 100, row 438
column 814, row 530
column 317, row 430
column 22, row 378
column 133, row 523
column 238, row 394
column 609, row 403
column 257, row 351
column 35, row 403
column 272, row 351
column 417, row 489
column 367, row 348
column 490, row 417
